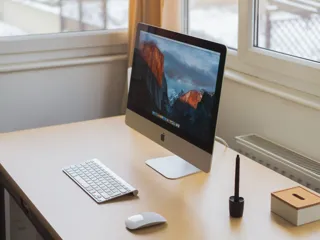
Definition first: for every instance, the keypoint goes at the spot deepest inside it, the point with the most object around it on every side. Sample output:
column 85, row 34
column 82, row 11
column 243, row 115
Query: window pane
column 25, row 17
column 216, row 20
column 289, row 26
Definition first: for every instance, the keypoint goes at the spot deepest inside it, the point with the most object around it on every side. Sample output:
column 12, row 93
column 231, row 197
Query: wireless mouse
column 144, row 219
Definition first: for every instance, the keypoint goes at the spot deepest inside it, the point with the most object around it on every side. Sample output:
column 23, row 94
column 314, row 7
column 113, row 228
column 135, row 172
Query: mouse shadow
column 149, row 230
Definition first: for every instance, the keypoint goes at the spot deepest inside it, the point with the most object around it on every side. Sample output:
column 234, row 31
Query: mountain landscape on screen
column 176, row 81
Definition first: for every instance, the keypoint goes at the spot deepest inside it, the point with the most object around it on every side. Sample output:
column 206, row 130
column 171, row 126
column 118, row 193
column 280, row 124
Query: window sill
column 54, row 47
column 61, row 63
column 275, row 89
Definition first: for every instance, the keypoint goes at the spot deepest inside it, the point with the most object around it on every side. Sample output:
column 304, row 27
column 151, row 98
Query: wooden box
column 297, row 205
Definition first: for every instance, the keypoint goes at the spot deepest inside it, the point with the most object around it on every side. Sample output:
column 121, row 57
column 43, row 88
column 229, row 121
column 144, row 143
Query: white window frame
column 59, row 41
column 292, row 72
column 46, row 47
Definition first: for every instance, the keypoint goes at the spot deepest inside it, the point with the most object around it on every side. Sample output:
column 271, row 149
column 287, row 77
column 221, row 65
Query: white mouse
column 144, row 219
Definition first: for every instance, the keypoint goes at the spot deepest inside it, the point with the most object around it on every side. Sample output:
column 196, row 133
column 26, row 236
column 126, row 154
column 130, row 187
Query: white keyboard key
column 96, row 195
column 114, row 194
column 105, row 195
column 122, row 190
column 81, row 181
column 109, row 192
column 116, row 191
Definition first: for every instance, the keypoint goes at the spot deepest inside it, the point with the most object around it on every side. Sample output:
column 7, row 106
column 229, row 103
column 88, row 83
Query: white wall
column 246, row 110
column 37, row 98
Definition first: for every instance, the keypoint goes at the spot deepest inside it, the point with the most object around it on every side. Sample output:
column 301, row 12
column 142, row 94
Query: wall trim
column 61, row 63
column 278, row 90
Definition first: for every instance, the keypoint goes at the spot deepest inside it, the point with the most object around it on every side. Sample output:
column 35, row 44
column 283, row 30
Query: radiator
column 286, row 162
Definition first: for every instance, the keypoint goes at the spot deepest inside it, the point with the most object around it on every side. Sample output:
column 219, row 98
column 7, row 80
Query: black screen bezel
column 219, row 48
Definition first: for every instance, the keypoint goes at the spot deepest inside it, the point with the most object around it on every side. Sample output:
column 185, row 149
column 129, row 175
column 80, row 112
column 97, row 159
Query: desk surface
column 196, row 207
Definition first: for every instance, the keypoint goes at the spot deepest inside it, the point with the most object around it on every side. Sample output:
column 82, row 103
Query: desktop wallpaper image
column 175, row 82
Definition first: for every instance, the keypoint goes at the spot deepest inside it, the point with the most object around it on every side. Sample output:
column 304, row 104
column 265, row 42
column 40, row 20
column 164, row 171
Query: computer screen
column 174, row 85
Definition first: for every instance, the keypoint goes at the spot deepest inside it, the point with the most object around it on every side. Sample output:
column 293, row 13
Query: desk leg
column 2, row 214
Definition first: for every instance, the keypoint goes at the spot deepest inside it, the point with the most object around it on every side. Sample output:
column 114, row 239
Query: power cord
column 221, row 140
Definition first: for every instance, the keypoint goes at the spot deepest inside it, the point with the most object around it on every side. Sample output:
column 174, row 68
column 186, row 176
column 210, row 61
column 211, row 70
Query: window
column 34, row 31
column 215, row 20
column 275, row 40
column 27, row 17
column 290, row 27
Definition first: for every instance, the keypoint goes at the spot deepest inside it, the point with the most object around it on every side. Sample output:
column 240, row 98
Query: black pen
column 236, row 203
column 237, row 180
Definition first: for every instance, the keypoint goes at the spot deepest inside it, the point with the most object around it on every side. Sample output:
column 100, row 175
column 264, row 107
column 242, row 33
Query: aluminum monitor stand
column 172, row 167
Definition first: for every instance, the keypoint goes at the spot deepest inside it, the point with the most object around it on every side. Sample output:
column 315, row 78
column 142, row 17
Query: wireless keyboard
column 98, row 181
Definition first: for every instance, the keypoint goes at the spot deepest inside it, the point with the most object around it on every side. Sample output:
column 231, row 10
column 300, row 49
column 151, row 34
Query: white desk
column 196, row 207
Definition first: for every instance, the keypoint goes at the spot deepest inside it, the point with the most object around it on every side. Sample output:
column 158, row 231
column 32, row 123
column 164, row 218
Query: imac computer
column 174, row 97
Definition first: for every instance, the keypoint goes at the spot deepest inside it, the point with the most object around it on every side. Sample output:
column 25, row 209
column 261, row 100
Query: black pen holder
column 236, row 207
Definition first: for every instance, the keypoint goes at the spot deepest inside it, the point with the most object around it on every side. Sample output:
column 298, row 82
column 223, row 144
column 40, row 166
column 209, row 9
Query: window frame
column 37, row 48
column 60, row 41
column 268, row 65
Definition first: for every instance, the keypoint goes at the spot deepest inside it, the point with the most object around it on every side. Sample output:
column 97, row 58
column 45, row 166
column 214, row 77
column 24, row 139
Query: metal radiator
column 286, row 162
